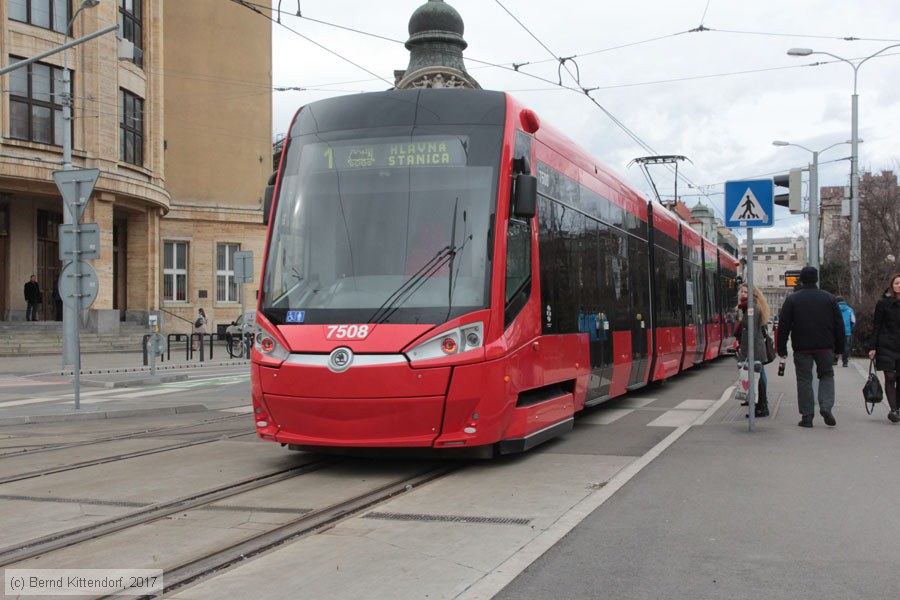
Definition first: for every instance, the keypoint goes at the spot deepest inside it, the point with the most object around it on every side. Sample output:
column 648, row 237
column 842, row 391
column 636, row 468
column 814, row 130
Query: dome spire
column 435, row 47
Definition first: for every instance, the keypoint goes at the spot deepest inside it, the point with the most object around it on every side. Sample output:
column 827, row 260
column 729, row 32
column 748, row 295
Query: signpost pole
column 750, row 204
column 243, row 273
column 749, row 332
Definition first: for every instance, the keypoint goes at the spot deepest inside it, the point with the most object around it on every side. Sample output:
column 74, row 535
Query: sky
column 707, row 79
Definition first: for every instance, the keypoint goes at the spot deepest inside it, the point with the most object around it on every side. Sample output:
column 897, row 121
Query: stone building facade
column 772, row 257
column 180, row 132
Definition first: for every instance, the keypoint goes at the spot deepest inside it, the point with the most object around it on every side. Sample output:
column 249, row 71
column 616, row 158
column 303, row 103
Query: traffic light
column 793, row 181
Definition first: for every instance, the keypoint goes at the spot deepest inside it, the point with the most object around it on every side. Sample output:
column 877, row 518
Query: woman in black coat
column 886, row 343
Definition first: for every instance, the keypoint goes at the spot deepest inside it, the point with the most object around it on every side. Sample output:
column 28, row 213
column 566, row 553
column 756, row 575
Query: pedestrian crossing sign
column 749, row 203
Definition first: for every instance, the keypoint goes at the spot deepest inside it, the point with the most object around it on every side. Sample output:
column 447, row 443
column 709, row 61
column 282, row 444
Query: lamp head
column 89, row 3
column 799, row 51
column 780, row 143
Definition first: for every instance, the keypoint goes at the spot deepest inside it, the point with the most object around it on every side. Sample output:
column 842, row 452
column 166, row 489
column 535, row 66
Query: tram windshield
column 390, row 229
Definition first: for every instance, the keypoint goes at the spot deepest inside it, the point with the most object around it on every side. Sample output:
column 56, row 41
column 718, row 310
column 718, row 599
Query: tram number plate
column 347, row 332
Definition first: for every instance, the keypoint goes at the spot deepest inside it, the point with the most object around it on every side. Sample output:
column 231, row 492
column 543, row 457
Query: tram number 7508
column 347, row 332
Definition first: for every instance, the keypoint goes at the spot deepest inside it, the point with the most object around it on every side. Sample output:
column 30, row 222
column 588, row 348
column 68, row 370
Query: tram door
column 597, row 300
column 639, row 270
column 694, row 286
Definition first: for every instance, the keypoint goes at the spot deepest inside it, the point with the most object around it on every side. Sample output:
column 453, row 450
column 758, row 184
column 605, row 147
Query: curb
column 126, row 383
column 101, row 415
column 142, row 369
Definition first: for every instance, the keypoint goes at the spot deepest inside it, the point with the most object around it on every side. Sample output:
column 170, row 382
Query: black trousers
column 31, row 311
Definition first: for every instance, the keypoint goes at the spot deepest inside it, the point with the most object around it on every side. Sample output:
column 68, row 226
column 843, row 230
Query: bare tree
column 879, row 220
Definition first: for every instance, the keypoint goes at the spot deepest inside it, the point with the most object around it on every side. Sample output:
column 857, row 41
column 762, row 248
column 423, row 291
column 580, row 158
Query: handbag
column 770, row 346
column 742, row 386
column 198, row 323
column 872, row 392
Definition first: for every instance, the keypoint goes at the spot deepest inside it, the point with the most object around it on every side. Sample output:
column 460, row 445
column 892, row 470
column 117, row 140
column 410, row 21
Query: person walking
column 199, row 327
column 885, row 345
column 759, row 343
column 849, row 323
column 32, row 298
column 810, row 317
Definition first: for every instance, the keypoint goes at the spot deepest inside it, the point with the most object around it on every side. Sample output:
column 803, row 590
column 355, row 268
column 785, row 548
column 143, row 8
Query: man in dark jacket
column 32, row 298
column 813, row 321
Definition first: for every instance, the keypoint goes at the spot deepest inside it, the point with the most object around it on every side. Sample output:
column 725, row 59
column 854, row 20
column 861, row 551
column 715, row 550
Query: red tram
column 444, row 271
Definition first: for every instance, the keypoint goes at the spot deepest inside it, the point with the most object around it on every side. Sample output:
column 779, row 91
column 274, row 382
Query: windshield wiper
column 411, row 285
column 453, row 276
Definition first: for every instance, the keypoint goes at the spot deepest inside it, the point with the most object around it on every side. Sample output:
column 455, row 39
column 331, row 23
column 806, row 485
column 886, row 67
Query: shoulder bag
column 770, row 346
column 872, row 392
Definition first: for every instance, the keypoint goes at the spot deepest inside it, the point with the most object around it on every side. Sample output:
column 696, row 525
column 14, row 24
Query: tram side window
column 693, row 300
column 711, row 309
column 518, row 249
column 640, row 269
column 617, row 280
column 558, row 249
column 567, row 284
column 518, row 267
column 668, row 289
column 591, row 283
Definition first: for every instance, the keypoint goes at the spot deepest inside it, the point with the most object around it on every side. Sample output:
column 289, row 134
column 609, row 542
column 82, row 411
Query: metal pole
column 855, row 274
column 751, row 372
column 814, row 212
column 51, row 52
column 70, row 343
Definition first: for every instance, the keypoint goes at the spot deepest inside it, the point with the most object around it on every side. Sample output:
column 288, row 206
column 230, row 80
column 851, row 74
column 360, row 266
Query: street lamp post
column 71, row 343
column 67, row 98
column 855, row 264
column 813, row 214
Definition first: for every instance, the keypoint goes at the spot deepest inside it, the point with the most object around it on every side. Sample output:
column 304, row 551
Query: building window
column 131, row 128
column 131, row 24
column 35, row 103
column 770, row 249
column 175, row 271
column 781, row 257
column 793, row 256
column 49, row 14
column 768, row 257
column 226, row 288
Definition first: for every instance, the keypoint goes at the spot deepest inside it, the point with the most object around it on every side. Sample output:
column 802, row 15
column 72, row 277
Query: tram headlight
column 449, row 343
column 269, row 346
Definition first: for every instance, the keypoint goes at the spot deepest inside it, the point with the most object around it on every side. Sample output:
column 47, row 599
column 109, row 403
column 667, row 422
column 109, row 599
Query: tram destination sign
column 381, row 153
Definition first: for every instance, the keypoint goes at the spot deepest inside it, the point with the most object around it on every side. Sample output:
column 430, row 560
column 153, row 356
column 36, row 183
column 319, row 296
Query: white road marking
column 695, row 404
column 676, row 418
column 605, row 417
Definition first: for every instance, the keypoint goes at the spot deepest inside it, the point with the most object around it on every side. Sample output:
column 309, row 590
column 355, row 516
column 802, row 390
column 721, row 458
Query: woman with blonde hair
column 761, row 320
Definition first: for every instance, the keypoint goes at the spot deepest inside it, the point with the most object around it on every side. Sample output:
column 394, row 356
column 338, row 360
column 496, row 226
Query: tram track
column 28, row 451
column 119, row 457
column 189, row 569
column 198, row 568
column 64, row 539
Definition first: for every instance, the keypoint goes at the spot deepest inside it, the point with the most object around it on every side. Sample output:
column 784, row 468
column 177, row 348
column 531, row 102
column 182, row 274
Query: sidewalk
column 781, row 512
column 37, row 389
